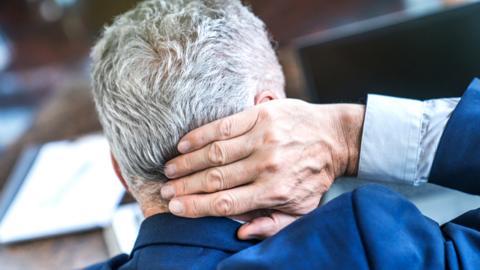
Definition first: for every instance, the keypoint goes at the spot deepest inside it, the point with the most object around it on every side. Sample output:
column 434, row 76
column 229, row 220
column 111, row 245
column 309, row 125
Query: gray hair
column 169, row 66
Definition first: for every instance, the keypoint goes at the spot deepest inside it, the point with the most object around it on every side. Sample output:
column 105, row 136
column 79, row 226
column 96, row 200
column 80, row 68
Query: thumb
column 266, row 226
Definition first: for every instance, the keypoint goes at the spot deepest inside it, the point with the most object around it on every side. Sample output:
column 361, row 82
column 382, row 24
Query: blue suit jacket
column 369, row 228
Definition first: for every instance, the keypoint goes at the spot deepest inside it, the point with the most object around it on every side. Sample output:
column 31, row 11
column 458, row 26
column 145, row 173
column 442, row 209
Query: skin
column 276, row 159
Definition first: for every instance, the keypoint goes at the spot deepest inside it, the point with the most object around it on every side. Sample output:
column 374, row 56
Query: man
column 159, row 71
column 168, row 67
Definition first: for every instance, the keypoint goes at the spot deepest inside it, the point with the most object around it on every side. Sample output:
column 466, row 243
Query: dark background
column 422, row 56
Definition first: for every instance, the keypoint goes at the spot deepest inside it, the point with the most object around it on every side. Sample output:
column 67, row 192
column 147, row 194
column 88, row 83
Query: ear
column 265, row 96
column 118, row 172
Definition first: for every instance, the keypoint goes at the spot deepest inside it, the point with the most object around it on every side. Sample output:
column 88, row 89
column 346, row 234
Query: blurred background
column 45, row 88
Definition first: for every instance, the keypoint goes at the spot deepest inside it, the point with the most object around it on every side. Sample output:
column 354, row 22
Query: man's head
column 167, row 67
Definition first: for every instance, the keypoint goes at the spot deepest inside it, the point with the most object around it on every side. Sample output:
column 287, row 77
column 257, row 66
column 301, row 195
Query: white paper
column 126, row 225
column 70, row 187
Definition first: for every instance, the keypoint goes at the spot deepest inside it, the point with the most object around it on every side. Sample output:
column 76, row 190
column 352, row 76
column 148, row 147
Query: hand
column 282, row 155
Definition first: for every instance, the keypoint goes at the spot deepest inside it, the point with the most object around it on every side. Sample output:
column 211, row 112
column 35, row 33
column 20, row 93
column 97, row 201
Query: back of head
column 169, row 66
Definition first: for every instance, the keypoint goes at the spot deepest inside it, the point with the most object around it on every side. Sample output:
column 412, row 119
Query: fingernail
column 167, row 192
column 176, row 207
column 183, row 146
column 170, row 170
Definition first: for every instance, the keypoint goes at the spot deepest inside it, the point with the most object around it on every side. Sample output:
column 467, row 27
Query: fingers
column 263, row 227
column 214, row 154
column 212, row 180
column 224, row 203
column 222, row 129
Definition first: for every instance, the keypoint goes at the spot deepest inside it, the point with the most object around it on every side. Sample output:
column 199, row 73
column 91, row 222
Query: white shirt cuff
column 401, row 136
column 391, row 137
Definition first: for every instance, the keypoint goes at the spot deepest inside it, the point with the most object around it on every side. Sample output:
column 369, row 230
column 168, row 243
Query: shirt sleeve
column 400, row 138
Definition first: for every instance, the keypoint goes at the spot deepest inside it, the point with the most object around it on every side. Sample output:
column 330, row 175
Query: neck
column 151, row 210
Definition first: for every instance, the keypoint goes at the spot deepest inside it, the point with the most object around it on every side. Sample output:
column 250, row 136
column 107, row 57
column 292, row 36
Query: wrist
column 351, row 118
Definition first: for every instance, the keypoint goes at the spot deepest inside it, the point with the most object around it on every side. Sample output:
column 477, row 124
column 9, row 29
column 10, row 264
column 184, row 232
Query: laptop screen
column 428, row 56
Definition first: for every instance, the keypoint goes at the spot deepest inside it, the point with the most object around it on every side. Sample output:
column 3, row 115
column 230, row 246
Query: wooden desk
column 69, row 113
column 66, row 252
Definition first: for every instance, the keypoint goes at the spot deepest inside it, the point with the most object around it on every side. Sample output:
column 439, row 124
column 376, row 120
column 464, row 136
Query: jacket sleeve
column 457, row 160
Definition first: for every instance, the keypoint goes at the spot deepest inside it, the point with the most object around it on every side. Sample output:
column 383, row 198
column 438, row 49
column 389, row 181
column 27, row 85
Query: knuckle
column 216, row 154
column 265, row 114
column 214, row 180
column 223, row 205
column 273, row 163
column 194, row 208
column 225, row 128
column 182, row 186
column 187, row 163
column 272, row 137
column 281, row 194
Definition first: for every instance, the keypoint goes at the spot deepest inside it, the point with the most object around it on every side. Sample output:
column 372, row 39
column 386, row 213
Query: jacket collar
column 209, row 232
